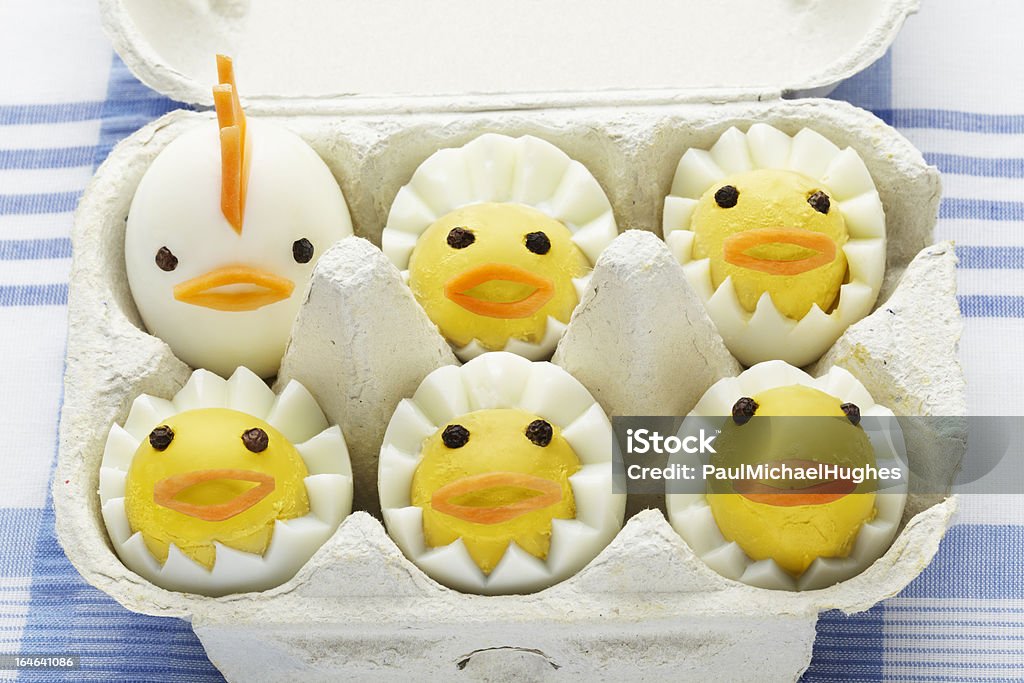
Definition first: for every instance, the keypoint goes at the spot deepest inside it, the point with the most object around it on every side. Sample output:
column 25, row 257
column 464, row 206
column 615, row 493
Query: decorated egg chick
column 783, row 238
column 226, row 488
column 497, row 239
column 222, row 236
column 808, row 511
column 462, row 494
column 496, row 476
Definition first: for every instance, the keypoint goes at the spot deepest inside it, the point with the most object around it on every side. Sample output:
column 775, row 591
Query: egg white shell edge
column 524, row 170
column 292, row 544
column 329, row 485
column 691, row 517
column 766, row 333
column 554, row 330
column 503, row 380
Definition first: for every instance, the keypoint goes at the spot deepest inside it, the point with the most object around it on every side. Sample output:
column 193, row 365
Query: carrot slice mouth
column 260, row 288
column 742, row 249
column 542, row 493
column 166, row 490
column 802, row 493
column 457, row 289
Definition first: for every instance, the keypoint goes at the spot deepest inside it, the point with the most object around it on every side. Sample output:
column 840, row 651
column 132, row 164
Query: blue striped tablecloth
column 952, row 84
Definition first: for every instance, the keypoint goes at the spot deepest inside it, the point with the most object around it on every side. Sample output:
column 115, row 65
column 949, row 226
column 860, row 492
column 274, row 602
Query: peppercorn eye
column 538, row 243
column 727, row 196
column 460, row 238
column 165, row 259
column 255, row 439
column 455, row 436
column 852, row 412
column 743, row 410
column 161, row 437
column 540, row 432
column 302, row 250
column 820, row 202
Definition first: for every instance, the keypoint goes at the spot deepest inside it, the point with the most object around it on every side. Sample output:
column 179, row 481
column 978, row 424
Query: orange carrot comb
column 234, row 160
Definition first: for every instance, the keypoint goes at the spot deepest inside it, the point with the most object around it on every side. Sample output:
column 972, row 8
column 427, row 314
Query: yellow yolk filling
column 441, row 276
column 793, row 535
column 499, row 476
column 209, row 440
column 206, row 492
column 783, row 231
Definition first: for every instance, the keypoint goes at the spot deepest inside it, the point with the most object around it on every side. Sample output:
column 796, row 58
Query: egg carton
column 639, row 340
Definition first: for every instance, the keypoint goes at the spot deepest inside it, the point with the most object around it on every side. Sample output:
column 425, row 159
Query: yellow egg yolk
column 207, row 486
column 495, row 272
column 776, row 525
column 773, row 231
column 499, row 486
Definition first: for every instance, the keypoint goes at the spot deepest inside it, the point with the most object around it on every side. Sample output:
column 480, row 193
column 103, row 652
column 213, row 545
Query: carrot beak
column 753, row 249
column 258, row 288
column 542, row 492
column 457, row 289
column 769, row 493
column 167, row 489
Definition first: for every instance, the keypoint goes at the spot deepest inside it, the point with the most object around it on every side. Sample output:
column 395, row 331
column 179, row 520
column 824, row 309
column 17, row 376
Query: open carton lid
column 379, row 56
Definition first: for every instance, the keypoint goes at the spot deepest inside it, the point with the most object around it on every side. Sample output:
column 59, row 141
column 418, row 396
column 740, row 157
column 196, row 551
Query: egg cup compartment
column 639, row 340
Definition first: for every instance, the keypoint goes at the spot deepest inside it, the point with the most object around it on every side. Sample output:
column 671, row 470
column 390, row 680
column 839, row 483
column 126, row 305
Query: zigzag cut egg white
column 783, row 239
column 497, row 240
column 693, row 516
column 225, row 488
column 496, row 476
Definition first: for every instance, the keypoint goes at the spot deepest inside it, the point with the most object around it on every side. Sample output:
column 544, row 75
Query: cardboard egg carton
column 639, row 340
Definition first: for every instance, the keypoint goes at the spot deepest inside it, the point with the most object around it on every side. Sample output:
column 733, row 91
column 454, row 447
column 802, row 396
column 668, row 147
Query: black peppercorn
column 538, row 243
column 161, row 437
column 165, row 260
column 455, row 436
column 820, row 202
column 727, row 196
column 852, row 412
column 540, row 432
column 743, row 410
column 460, row 238
column 255, row 439
column 302, row 250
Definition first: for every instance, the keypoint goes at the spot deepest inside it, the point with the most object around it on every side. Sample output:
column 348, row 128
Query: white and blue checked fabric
column 952, row 84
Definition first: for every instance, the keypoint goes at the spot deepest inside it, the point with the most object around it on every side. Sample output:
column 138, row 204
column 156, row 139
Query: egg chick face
column 213, row 475
column 220, row 297
column 773, row 231
column 492, row 477
column 495, row 272
column 793, row 521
